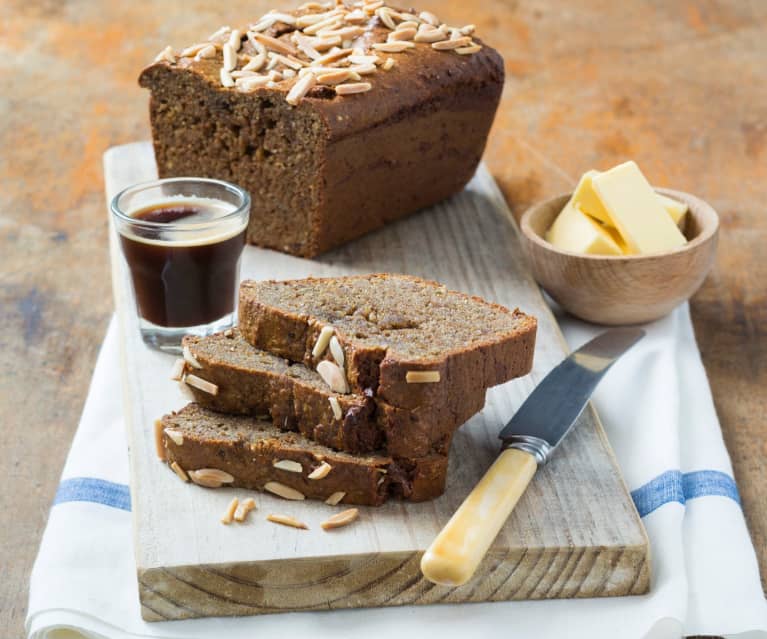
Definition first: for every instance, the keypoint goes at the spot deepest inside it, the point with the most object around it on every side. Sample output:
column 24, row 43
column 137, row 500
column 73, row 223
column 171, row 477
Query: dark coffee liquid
column 180, row 280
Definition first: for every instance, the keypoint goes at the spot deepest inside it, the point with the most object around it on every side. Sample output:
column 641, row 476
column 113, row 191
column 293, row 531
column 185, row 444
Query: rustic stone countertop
column 681, row 87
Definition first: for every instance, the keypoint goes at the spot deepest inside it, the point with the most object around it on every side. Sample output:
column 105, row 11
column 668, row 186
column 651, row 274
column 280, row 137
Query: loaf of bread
column 410, row 342
column 253, row 382
column 337, row 119
column 255, row 454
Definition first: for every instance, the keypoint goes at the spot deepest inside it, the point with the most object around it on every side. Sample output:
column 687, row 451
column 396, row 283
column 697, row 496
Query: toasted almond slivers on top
column 206, row 52
column 193, row 50
column 177, row 372
column 198, row 382
column 235, row 40
column 179, row 471
column 407, row 33
column 274, row 44
column 385, row 15
column 472, row 48
column 429, row 34
column 344, row 518
column 389, row 64
column 335, row 498
column 230, row 57
column 189, row 358
column 166, row 55
column 222, row 31
column 393, row 47
column 175, row 435
column 288, row 465
column 286, row 492
column 335, row 77
column 246, row 505
column 287, row 520
column 348, row 89
column 468, row 29
column 429, row 17
column 210, row 477
column 226, row 79
column 336, row 407
column 321, row 471
column 332, row 57
column 447, row 45
column 300, row 89
column 422, row 377
column 158, row 443
column 230, row 510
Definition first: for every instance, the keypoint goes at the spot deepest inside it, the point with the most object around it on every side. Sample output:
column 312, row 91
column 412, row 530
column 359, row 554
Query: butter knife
column 538, row 427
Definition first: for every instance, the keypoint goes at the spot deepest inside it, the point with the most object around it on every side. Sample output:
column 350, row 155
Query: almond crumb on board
column 288, row 465
column 286, row 492
column 230, row 510
column 179, row 471
column 321, row 471
column 201, row 384
column 245, row 506
column 344, row 518
column 158, row 443
column 422, row 377
column 335, row 498
column 287, row 520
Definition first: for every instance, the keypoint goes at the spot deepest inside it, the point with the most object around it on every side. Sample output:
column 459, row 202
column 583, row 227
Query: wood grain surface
column 575, row 532
column 685, row 95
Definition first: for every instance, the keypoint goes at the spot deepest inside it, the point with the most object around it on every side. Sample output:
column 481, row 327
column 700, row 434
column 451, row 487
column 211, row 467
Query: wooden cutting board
column 575, row 533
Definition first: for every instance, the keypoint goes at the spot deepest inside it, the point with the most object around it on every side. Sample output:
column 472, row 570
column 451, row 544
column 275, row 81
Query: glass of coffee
column 182, row 239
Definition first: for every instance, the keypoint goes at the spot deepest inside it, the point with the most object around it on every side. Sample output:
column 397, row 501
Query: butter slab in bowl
column 621, row 289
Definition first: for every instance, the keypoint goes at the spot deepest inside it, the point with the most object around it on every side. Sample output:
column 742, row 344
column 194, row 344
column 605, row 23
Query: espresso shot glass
column 182, row 239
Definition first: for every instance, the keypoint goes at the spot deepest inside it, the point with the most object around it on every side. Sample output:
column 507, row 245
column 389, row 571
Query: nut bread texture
column 327, row 160
column 407, row 341
column 247, row 449
column 254, row 382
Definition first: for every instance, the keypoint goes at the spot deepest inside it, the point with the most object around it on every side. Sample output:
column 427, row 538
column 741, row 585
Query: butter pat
column 676, row 209
column 635, row 209
column 587, row 200
column 575, row 231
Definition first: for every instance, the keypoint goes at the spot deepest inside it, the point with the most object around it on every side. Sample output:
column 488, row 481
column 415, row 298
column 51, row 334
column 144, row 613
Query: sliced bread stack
column 343, row 389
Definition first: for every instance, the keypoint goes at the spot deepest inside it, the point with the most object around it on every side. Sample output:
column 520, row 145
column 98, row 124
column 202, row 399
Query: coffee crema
column 184, row 260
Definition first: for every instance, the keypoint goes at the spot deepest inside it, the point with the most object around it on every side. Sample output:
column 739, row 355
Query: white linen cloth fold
column 657, row 410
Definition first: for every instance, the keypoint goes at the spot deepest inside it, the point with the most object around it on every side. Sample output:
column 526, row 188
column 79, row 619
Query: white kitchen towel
column 656, row 406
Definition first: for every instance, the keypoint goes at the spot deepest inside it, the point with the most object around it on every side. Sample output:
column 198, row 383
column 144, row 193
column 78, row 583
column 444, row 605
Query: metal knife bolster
column 537, row 447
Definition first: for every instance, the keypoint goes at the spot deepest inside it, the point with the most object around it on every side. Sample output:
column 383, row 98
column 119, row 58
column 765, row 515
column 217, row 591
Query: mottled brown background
column 679, row 86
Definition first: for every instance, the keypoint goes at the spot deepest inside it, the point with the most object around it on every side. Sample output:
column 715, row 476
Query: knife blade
column 536, row 429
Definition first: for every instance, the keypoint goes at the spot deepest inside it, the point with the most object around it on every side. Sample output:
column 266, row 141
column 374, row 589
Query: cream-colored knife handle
column 455, row 554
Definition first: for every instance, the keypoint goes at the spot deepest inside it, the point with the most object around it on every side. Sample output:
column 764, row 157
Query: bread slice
column 248, row 449
column 410, row 342
column 295, row 397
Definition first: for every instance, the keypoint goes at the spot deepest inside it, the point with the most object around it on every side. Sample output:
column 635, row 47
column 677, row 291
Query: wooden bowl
column 625, row 289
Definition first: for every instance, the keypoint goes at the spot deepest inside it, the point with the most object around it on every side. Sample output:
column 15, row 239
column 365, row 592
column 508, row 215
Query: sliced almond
column 344, row 518
column 288, row 465
column 189, row 358
column 226, row 79
column 175, row 435
column 468, row 29
column 472, row 48
column 448, row 45
column 166, row 55
column 332, row 374
column 201, row 384
column 246, row 505
column 335, row 498
column 287, row 520
column 321, row 471
column 336, row 351
column 158, row 443
column 332, row 57
column 401, row 34
column 323, row 339
column 206, row 52
column 210, row 477
column 393, row 47
column 335, row 406
column 193, row 50
column 389, row 64
column 230, row 57
column 422, row 377
column 429, row 34
column 179, row 471
column 300, row 89
column 336, row 77
column 286, row 492
column 429, row 17
column 177, row 372
column 385, row 15
column 274, row 44
column 220, row 33
column 230, row 510
column 235, row 40
column 348, row 89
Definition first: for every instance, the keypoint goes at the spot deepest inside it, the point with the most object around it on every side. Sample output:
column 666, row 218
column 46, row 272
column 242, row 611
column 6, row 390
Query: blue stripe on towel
column 98, row 491
column 673, row 486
